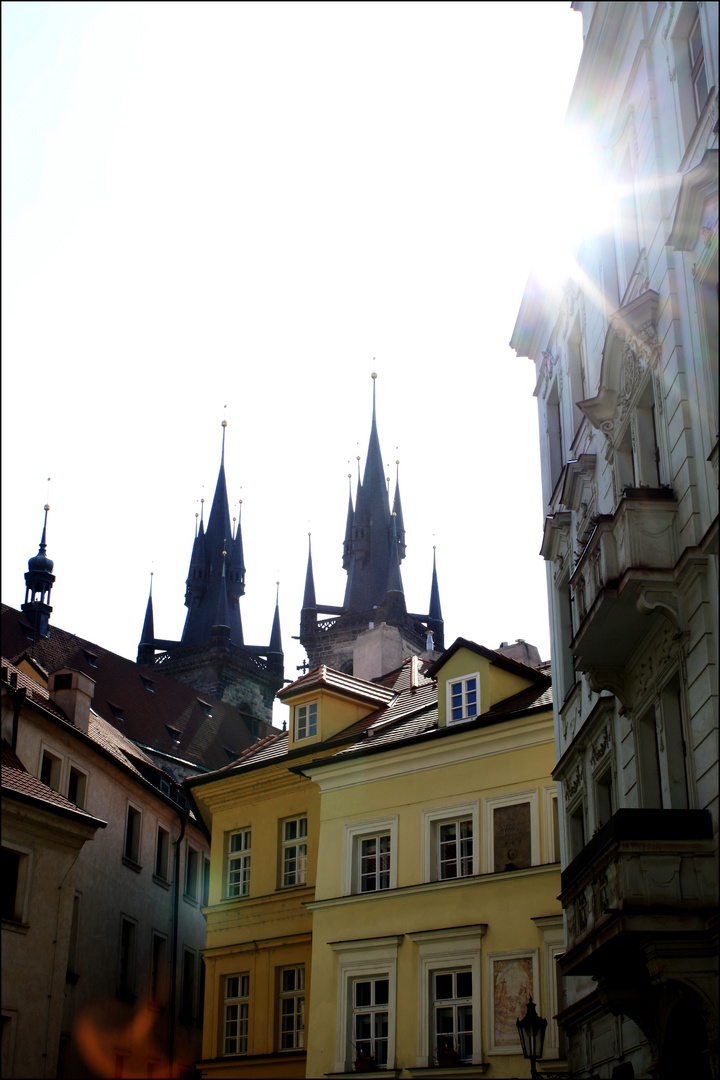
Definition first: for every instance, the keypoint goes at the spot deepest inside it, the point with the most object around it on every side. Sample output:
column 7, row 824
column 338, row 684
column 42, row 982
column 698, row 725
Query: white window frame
column 514, row 1048
column 440, row 950
column 374, row 958
column 241, row 854
column 553, row 946
column 511, row 799
column 300, row 860
column 308, row 707
column 295, row 995
column 550, row 795
column 448, row 698
column 432, row 819
column 242, row 1000
column 353, row 835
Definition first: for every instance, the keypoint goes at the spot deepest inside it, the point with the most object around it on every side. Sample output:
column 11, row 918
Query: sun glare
column 573, row 201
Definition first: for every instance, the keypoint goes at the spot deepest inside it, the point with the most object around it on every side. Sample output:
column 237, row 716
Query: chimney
column 377, row 651
column 72, row 692
column 521, row 651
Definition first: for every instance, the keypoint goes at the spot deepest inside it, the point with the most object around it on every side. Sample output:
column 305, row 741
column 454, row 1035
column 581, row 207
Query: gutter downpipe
column 183, row 816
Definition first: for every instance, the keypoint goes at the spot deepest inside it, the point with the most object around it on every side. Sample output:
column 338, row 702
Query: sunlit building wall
column 625, row 343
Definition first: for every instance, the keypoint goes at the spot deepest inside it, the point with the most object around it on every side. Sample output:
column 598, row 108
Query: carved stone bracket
column 611, row 679
column 668, row 602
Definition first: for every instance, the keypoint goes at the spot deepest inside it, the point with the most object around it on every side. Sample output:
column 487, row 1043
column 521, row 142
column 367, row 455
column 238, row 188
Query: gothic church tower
column 212, row 655
column 373, row 549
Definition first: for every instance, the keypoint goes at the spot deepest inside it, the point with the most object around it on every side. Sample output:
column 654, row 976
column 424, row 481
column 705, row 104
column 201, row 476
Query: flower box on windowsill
column 364, row 1063
column 448, row 1058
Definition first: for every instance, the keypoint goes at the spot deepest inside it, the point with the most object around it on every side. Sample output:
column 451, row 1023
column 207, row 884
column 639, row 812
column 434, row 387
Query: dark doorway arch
column 684, row 1044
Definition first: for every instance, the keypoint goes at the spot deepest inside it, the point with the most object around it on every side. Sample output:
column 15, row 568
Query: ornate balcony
column 646, row 876
column 624, row 573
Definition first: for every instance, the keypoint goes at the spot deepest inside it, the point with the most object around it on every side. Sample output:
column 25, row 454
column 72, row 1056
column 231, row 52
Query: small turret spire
column 148, row 630
column 309, row 601
column 275, row 636
column 38, row 585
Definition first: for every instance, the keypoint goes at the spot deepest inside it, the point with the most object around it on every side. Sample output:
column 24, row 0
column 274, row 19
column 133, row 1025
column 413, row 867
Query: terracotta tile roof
column 327, row 678
column 154, row 710
column 16, row 780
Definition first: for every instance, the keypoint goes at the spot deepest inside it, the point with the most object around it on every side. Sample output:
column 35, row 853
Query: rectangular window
column 162, row 848
column 374, row 863
column 238, row 880
column 306, row 720
column 133, row 825
column 697, row 65
column 72, row 963
column 294, row 852
column 604, row 798
column 292, row 1008
column 576, row 829
column 237, row 993
column 192, row 862
column 452, row 1008
column 463, row 698
column 126, row 980
column 50, row 767
column 370, row 1021
column 77, row 786
column 187, row 1000
column 158, row 967
column 10, row 882
column 455, row 849
column 206, row 882
column 511, row 837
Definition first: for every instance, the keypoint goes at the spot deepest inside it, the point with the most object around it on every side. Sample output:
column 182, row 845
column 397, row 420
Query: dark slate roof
column 169, row 717
column 19, row 783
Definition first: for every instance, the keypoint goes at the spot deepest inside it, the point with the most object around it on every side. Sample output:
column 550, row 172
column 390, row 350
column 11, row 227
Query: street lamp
column 531, row 1030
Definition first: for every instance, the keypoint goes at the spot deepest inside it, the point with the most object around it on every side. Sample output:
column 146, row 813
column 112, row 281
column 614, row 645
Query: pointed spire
column 222, row 617
column 347, row 543
column 309, row 602
column 394, row 579
column 397, row 511
column 39, row 580
column 275, row 636
column 148, row 630
column 435, row 611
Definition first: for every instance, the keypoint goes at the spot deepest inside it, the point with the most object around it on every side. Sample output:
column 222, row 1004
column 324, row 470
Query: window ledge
column 131, row 864
column 162, row 882
column 466, row 1068
column 192, row 900
column 16, row 927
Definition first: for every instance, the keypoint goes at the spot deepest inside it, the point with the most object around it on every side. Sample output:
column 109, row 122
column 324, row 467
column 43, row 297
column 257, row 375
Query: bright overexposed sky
column 241, row 210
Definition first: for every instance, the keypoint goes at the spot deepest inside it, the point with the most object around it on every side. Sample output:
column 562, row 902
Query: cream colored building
column 626, row 355
column 403, row 830
column 130, row 898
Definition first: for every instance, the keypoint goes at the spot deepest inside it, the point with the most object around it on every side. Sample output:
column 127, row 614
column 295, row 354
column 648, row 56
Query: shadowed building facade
column 373, row 549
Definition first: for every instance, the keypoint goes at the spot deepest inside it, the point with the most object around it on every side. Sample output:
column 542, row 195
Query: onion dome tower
column 39, row 581
column 374, row 546
column 212, row 655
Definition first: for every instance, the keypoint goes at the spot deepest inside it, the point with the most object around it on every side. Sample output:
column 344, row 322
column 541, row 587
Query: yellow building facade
column 384, row 876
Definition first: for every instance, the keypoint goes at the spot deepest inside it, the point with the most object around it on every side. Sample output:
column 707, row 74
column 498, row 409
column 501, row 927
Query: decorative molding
column 601, row 745
column 669, row 603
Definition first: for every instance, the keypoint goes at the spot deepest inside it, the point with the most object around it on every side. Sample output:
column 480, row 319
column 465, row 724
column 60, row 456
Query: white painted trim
column 550, row 794
column 448, row 696
column 512, row 954
column 431, row 819
column 511, row 799
column 453, row 948
column 352, row 835
column 374, row 957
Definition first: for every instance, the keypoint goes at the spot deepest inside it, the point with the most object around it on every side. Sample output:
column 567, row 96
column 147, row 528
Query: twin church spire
column 373, row 548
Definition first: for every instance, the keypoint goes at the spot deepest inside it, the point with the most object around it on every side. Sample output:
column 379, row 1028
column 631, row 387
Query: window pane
column 363, row 993
column 444, row 1020
column 382, row 989
column 443, row 986
column 464, row 984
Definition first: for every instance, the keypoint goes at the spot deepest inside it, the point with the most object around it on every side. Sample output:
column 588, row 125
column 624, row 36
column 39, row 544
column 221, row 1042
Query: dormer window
column 462, row 698
column 91, row 658
column 306, row 720
column 148, row 684
column 116, row 711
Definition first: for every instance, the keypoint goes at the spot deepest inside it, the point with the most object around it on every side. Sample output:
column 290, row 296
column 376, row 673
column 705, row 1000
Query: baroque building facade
column 627, row 389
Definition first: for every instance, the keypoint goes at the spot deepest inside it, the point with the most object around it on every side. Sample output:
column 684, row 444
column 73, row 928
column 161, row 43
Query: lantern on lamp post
column 531, row 1030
